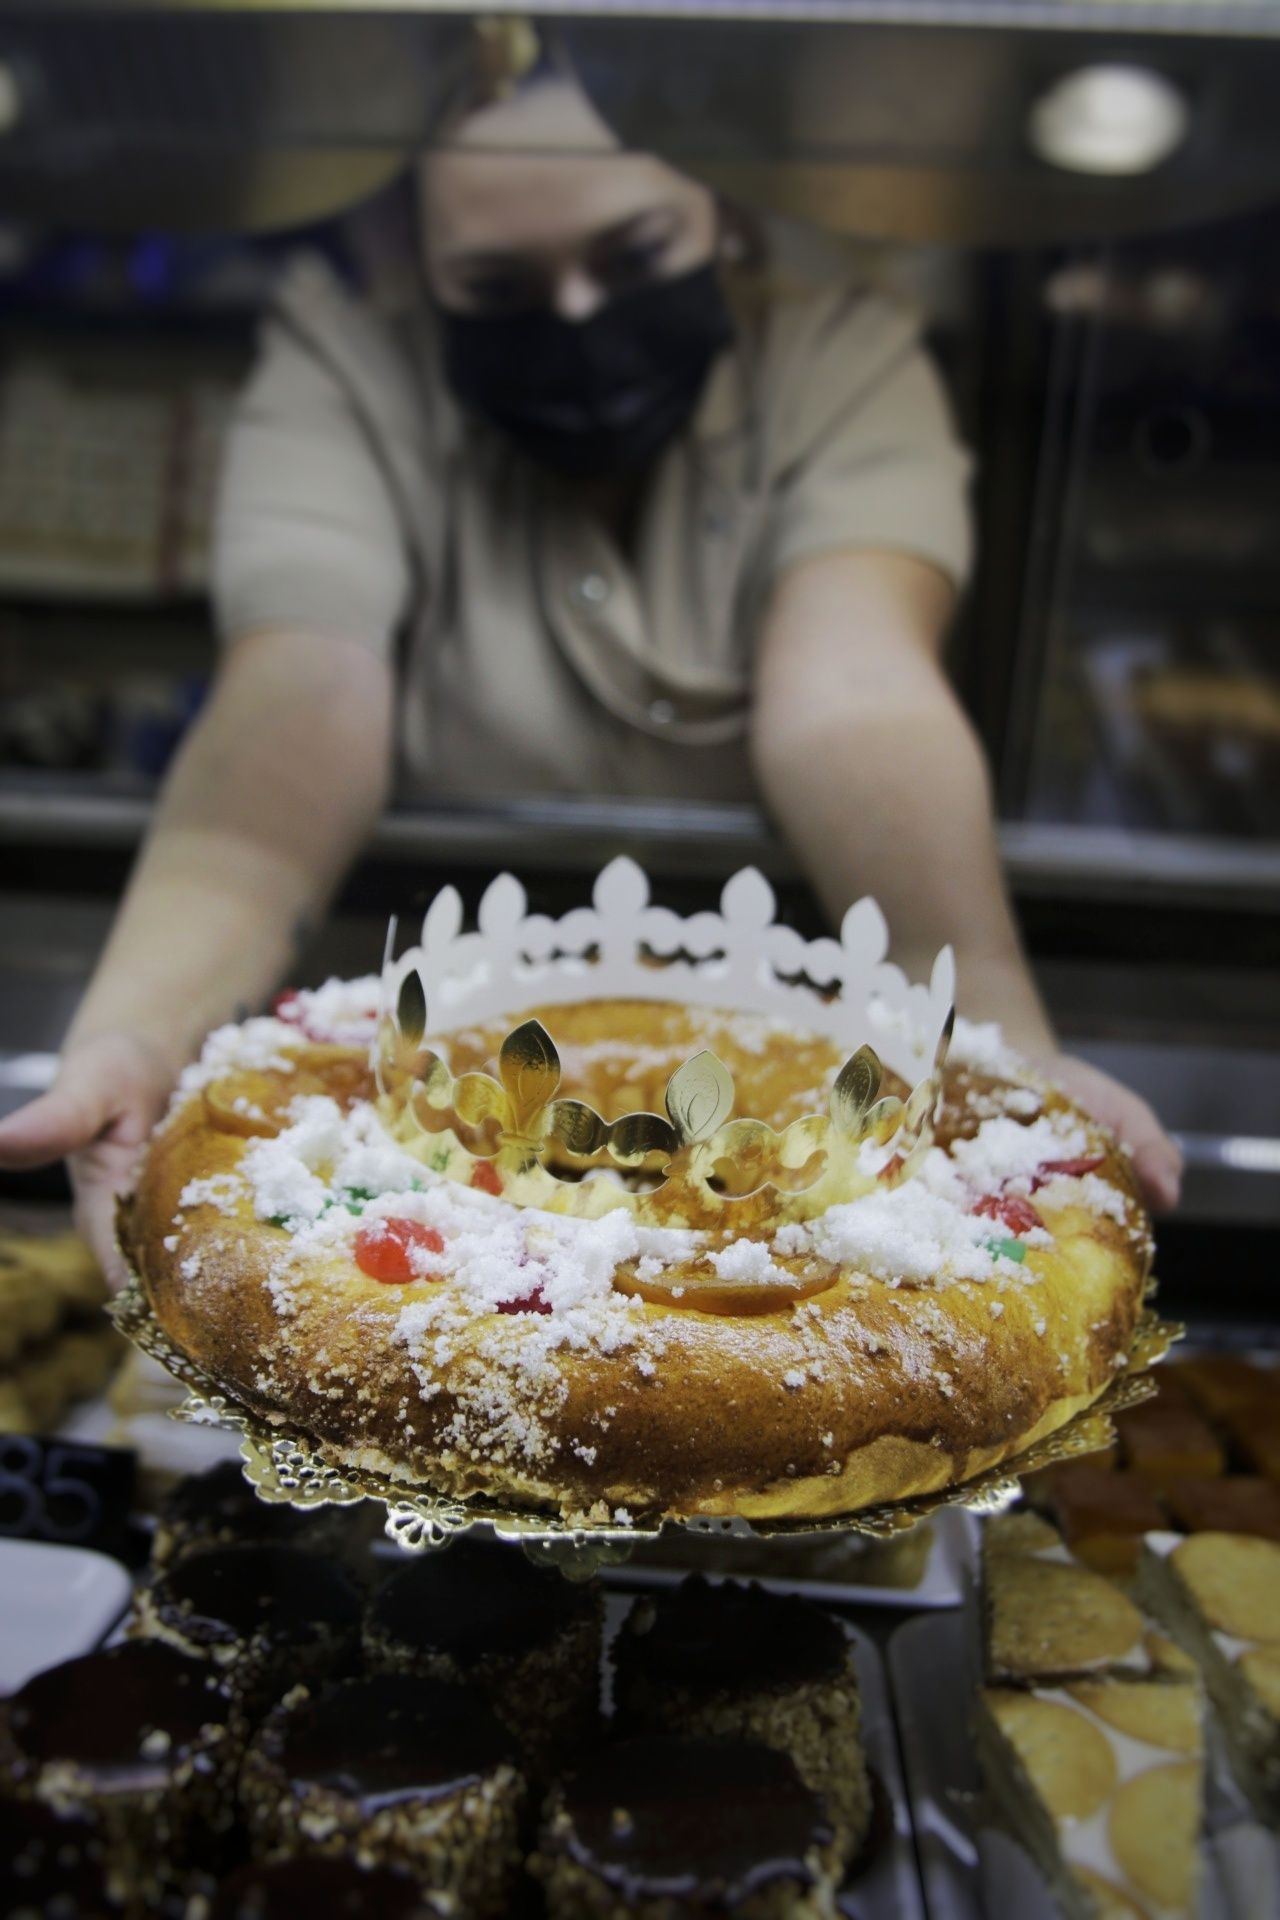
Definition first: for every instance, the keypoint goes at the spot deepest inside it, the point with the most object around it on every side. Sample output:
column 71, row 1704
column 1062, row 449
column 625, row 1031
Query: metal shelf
column 692, row 838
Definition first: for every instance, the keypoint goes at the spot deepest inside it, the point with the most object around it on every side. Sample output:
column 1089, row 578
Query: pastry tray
column 971, row 1870
column 825, row 1568
column 286, row 1464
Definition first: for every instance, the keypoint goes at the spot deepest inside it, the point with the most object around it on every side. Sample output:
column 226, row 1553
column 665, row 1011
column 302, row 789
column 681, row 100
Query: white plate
column 951, row 1558
column 889, row 1887
column 55, row 1602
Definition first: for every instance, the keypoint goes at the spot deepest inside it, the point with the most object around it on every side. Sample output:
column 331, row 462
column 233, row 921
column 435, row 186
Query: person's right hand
column 108, row 1095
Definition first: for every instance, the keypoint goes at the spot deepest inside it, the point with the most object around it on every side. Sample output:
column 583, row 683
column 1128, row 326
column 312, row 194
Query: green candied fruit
column 1008, row 1249
column 439, row 1160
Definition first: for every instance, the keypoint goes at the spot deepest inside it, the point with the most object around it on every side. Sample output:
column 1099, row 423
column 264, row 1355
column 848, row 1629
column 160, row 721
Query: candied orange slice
column 709, row 1293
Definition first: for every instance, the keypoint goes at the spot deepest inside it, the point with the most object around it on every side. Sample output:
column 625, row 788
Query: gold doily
column 284, row 1464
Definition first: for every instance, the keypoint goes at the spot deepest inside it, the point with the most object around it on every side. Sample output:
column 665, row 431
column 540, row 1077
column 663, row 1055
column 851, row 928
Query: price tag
column 64, row 1492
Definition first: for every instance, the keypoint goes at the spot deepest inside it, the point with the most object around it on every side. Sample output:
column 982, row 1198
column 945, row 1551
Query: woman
column 592, row 516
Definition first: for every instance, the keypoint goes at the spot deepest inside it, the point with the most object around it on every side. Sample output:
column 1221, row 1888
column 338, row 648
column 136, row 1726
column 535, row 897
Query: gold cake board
column 288, row 1466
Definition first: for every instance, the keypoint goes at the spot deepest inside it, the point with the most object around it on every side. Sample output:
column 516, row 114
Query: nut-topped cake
column 714, row 1243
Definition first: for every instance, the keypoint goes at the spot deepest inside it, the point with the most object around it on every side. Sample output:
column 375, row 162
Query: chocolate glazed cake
column 522, row 1636
column 393, row 1771
column 219, row 1508
column 135, row 1742
column 52, row 1866
column 664, row 1827
column 726, row 1660
column 310, row 1888
column 265, row 1617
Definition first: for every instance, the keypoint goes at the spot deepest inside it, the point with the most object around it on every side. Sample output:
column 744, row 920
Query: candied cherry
column 287, row 1006
column 1071, row 1169
column 485, row 1177
column 535, row 1301
column 1011, row 1210
column 390, row 1250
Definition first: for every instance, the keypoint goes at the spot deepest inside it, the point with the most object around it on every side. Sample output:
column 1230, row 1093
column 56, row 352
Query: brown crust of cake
column 920, row 1388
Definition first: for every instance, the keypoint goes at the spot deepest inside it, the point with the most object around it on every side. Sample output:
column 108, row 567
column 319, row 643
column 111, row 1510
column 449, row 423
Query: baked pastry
column 1163, row 1442
column 672, row 1826
column 55, row 1346
column 1220, row 1382
column 1103, row 1514
column 135, row 1741
column 523, row 1637
column 45, row 1279
column 1237, row 1503
column 1219, row 1596
column 1255, row 1433
column 391, row 1771
column 264, row 1618
column 321, row 1258
column 46, row 1379
column 1102, row 1782
column 730, row 1661
column 321, row 1889
column 1046, row 1618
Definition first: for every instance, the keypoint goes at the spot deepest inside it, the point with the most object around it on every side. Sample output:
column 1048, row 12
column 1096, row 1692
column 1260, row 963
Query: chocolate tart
column 136, row 1742
column 522, row 1636
column 663, row 1825
column 265, row 1617
column 219, row 1508
column 310, row 1888
column 728, row 1660
column 394, row 1771
column 52, row 1866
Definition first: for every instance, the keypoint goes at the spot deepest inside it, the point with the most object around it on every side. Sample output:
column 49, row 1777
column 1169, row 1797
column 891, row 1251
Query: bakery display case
column 240, row 1676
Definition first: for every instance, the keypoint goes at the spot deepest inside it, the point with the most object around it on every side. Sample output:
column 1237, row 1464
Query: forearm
column 875, row 777
column 268, row 801
column 904, row 814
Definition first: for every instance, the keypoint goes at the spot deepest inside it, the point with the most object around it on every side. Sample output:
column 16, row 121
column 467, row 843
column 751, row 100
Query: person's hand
column 1156, row 1158
column 109, row 1093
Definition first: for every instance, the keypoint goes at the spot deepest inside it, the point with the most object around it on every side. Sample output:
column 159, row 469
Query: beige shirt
column 357, row 500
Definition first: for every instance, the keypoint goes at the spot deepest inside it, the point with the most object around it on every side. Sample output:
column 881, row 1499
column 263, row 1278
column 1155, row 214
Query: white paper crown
column 623, row 948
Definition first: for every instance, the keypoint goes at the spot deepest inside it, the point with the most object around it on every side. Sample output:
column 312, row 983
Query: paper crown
column 697, row 1163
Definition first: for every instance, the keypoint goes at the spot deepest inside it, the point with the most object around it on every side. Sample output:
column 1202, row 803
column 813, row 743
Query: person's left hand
column 1157, row 1159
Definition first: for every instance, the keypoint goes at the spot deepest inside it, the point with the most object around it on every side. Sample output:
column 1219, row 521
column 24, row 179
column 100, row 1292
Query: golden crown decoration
column 696, row 1162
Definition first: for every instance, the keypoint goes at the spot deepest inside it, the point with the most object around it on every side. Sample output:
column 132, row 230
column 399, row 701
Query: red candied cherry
column 287, row 1006
column 535, row 1301
column 1011, row 1210
column 1072, row 1169
column 386, row 1249
column 485, row 1177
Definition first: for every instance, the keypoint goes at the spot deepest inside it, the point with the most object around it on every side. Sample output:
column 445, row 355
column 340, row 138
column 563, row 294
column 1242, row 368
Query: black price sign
column 63, row 1491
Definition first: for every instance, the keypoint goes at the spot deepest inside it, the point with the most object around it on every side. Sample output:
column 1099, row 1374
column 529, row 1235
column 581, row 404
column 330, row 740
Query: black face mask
column 592, row 396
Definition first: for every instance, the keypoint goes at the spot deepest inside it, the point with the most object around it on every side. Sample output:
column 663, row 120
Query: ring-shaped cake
column 400, row 1309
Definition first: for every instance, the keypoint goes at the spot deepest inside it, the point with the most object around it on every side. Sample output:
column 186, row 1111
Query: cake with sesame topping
column 400, row 1300
column 263, row 1617
column 524, row 1638
column 392, row 1771
column 721, row 1660
column 673, row 1825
